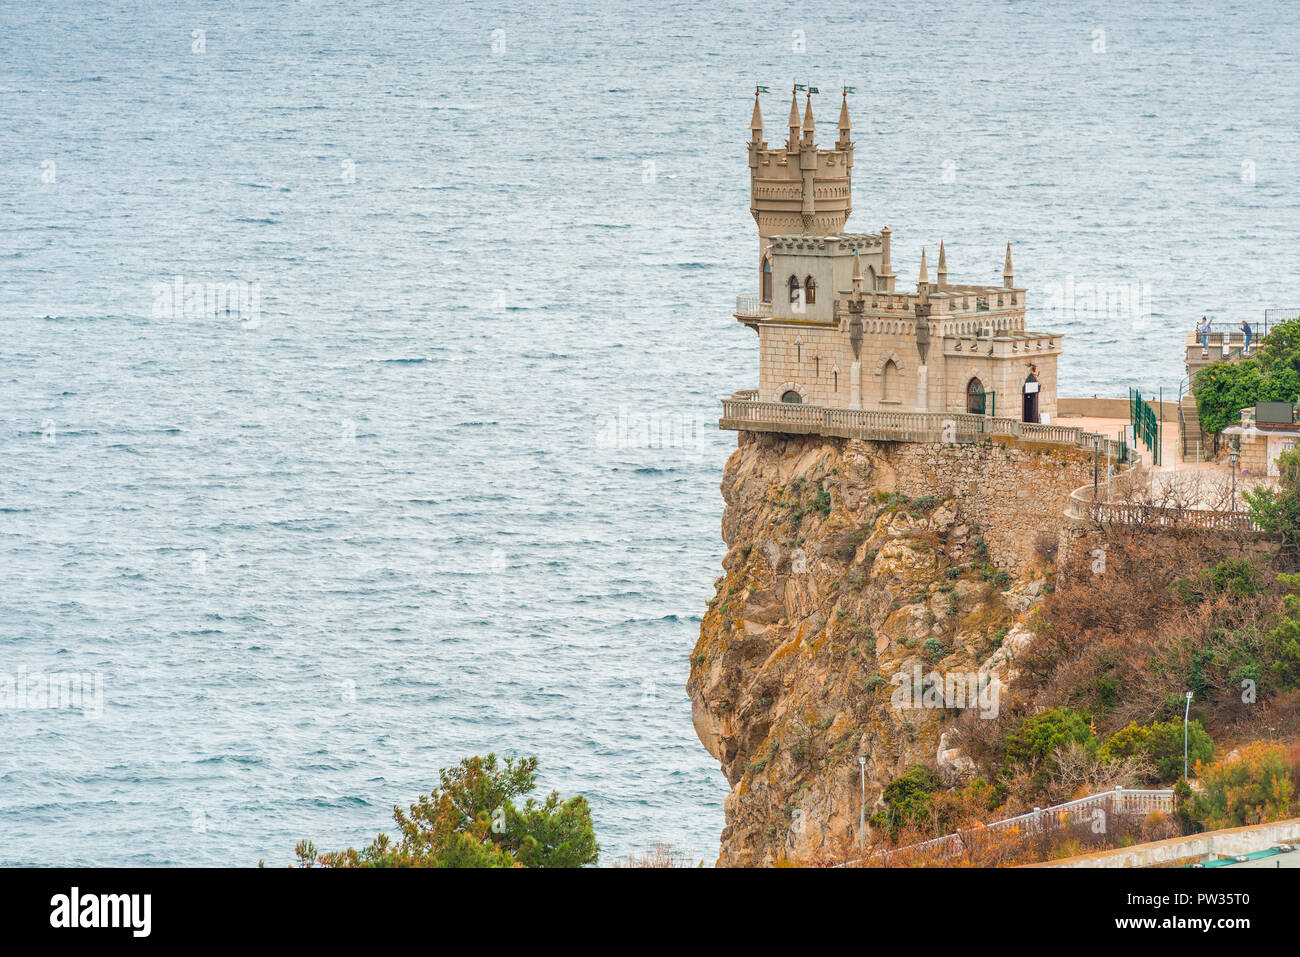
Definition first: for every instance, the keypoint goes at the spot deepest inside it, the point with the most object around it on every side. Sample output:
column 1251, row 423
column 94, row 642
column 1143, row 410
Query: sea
column 361, row 362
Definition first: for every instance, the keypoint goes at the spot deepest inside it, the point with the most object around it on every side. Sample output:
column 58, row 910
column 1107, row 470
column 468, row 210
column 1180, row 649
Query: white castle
column 834, row 332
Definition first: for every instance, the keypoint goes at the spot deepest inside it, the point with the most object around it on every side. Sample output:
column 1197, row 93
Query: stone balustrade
column 1079, row 811
column 750, row 306
column 1083, row 507
column 743, row 413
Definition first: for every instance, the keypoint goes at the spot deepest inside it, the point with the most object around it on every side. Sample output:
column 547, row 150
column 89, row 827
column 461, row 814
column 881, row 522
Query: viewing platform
column 1227, row 342
column 743, row 413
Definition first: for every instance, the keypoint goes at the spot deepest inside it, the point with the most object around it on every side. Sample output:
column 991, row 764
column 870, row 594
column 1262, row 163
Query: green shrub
column 1161, row 743
column 909, row 798
column 1277, row 511
column 1031, row 743
column 1164, row 748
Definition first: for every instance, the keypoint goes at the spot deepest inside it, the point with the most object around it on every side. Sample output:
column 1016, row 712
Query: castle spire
column 807, row 115
column 942, row 273
column 924, row 278
column 756, row 121
column 886, row 269
column 793, row 144
column 857, row 272
column 845, row 126
column 1008, row 278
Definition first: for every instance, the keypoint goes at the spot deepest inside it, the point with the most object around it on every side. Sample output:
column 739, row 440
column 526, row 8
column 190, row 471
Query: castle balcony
column 741, row 413
column 750, row 306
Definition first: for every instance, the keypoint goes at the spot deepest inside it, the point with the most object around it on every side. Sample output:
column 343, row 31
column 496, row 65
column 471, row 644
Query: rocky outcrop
column 842, row 592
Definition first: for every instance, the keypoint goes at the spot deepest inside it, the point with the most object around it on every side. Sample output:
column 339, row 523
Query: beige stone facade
column 833, row 330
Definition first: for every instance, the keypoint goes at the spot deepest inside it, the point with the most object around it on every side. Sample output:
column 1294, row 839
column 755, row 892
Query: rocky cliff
column 850, row 564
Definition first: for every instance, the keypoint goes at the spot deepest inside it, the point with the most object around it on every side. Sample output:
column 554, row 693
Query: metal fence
column 1277, row 315
column 1146, row 427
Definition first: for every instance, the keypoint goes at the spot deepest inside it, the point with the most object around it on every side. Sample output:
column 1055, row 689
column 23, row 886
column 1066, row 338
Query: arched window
column 975, row 396
column 792, row 397
column 794, row 288
column 809, row 291
column 889, row 382
column 767, row 279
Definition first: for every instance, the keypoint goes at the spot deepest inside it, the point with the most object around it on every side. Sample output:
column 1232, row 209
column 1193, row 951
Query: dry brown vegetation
column 1126, row 641
column 660, row 855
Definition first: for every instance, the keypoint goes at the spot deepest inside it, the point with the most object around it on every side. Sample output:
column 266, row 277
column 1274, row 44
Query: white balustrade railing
column 744, row 413
column 1080, row 810
column 749, row 304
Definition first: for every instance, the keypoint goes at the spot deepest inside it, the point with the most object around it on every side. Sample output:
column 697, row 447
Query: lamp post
column 862, row 802
column 1096, row 452
column 1233, row 454
column 1186, row 710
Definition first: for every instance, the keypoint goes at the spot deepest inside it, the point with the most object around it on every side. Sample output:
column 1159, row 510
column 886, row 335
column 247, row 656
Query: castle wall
column 788, row 355
column 1017, row 493
column 821, row 269
column 1005, row 377
column 781, row 361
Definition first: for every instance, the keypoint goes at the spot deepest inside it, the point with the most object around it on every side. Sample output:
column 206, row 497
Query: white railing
column 1083, row 507
column 742, row 413
column 1078, row 811
column 749, row 304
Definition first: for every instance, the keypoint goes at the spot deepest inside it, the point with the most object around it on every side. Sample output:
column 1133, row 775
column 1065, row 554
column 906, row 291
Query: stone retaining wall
column 1196, row 847
column 1015, row 492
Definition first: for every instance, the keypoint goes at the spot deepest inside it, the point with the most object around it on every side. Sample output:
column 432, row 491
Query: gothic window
column 792, row 397
column 809, row 291
column 889, row 382
column 794, row 288
column 767, row 279
column 975, row 396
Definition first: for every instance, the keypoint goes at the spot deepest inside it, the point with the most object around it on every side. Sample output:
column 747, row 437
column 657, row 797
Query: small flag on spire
column 800, row 87
column 848, row 90
column 761, row 89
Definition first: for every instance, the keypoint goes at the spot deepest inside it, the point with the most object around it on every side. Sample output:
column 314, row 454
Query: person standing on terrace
column 1203, row 333
column 1246, row 331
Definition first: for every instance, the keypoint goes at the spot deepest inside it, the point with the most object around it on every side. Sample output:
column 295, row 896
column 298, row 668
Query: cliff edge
column 854, row 568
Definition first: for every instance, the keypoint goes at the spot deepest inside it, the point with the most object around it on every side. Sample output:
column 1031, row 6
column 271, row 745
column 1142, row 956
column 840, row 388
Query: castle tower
column 942, row 275
column 844, row 143
column 886, row 268
column 1008, row 277
column 798, row 188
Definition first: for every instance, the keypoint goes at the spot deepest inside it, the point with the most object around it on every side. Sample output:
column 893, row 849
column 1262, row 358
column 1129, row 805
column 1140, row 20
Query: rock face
column 846, row 586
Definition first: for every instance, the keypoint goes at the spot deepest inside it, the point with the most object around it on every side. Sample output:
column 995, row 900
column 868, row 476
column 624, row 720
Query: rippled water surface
column 393, row 517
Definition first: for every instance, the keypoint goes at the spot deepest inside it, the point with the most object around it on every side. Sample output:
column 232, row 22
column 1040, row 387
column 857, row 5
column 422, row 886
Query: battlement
column 841, row 244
